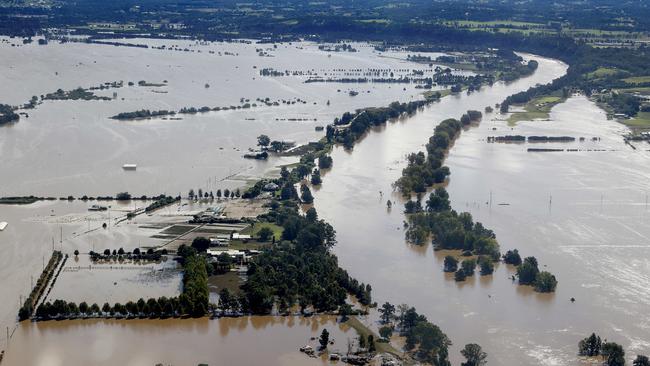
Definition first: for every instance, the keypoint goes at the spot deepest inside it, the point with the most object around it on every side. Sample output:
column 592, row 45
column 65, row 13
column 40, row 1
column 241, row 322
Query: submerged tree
column 474, row 355
column 590, row 346
column 451, row 264
column 305, row 194
column 613, row 353
column 324, row 339
column 641, row 360
column 263, row 141
column 527, row 271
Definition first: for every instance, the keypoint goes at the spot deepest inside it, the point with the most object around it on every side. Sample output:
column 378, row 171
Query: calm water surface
column 72, row 147
column 582, row 214
column 593, row 236
column 272, row 341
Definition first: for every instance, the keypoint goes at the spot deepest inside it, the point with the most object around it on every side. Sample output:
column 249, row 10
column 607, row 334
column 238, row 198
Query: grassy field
column 254, row 244
column 229, row 280
column 601, row 72
column 637, row 79
column 644, row 91
column 443, row 93
column 277, row 230
column 538, row 108
column 248, row 245
column 640, row 122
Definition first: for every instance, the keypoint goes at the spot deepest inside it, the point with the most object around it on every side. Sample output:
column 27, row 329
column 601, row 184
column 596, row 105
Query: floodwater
column 272, row 341
column 35, row 230
column 73, row 148
column 83, row 280
column 583, row 215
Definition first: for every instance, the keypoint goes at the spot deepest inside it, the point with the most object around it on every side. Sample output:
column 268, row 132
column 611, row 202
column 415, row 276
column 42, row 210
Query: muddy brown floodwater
column 259, row 340
column 583, row 214
column 72, row 147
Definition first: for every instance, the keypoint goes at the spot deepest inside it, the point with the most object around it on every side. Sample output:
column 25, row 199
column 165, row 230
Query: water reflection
column 507, row 189
column 256, row 340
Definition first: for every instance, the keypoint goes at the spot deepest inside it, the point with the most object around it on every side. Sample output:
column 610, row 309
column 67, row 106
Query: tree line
column 357, row 123
column 450, row 229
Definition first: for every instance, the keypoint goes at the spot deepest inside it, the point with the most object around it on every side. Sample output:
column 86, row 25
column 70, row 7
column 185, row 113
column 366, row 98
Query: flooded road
column 272, row 341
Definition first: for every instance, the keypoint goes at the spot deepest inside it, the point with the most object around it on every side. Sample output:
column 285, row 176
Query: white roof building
column 238, row 236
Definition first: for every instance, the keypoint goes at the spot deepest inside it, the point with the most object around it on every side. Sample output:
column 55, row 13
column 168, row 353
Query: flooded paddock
column 272, row 341
column 118, row 281
column 72, row 147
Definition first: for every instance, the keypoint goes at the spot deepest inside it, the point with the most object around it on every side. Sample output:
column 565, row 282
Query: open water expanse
column 583, row 214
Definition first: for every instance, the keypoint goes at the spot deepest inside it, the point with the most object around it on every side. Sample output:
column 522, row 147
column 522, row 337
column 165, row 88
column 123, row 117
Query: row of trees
column 142, row 114
column 152, row 308
column 27, row 309
column 359, row 122
column 199, row 194
column 424, row 171
column 162, row 202
column 120, row 255
column 467, row 266
column 451, row 230
column 193, row 300
column 146, row 113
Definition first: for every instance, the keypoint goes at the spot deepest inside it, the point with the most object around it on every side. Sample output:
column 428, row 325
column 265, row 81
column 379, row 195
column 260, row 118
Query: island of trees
column 7, row 114
column 450, row 229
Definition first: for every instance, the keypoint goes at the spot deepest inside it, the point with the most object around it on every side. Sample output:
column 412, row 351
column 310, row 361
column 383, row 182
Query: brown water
column 82, row 280
column 594, row 236
column 272, row 341
column 72, row 147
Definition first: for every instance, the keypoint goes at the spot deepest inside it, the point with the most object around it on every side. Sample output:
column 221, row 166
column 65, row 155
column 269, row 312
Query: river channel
column 583, row 214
